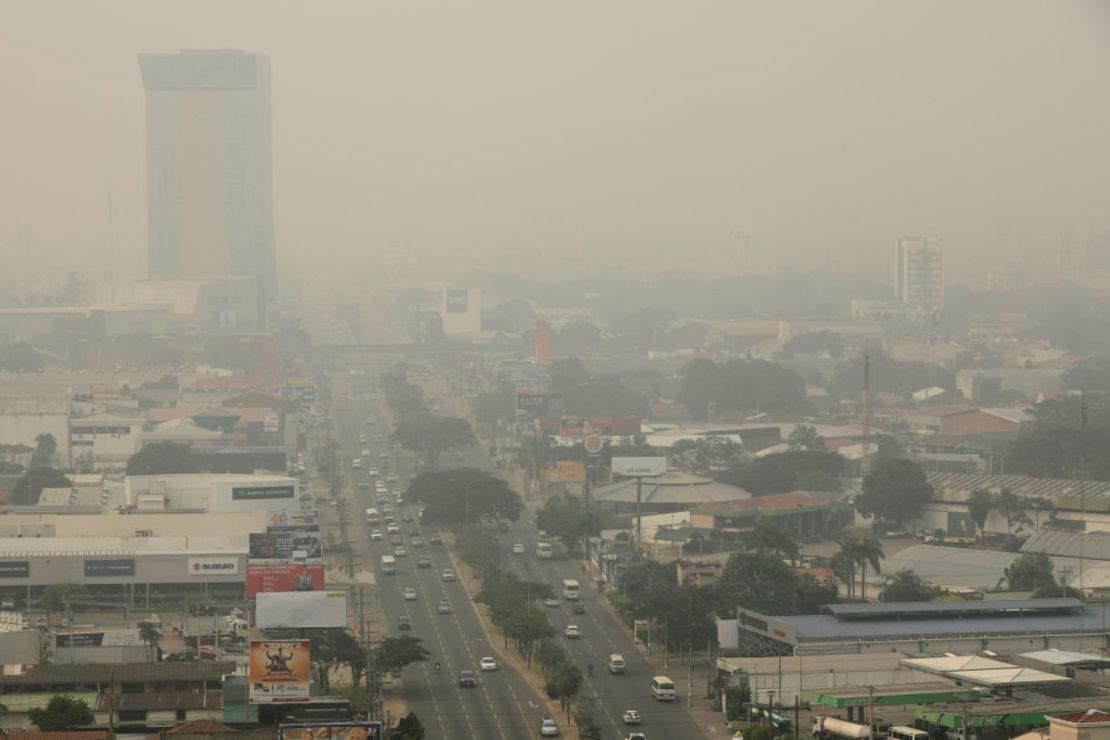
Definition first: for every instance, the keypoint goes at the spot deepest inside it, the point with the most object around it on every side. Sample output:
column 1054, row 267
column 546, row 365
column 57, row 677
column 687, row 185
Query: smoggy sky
column 819, row 130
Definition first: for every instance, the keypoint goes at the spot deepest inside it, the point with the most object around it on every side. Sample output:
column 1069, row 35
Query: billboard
column 331, row 731
column 283, row 577
column 764, row 626
column 15, row 568
column 279, row 671
column 568, row 471
column 639, row 466
column 110, row 568
column 258, row 493
column 100, row 638
column 213, row 566
column 297, row 518
column 280, row 543
column 302, row 391
column 301, row 609
column 457, row 300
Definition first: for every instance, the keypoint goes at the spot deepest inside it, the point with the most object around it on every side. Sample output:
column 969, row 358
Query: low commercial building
column 212, row 493
column 1003, row 626
column 801, row 513
column 126, row 572
column 673, row 491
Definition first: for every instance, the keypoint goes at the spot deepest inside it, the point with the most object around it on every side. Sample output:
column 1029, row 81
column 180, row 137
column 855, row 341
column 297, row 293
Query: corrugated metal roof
column 1089, row 545
column 1022, row 486
column 671, row 488
column 827, row 628
column 1055, row 656
column 951, row 607
column 951, row 567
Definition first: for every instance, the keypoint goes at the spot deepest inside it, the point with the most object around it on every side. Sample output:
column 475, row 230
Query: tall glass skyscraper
column 209, row 167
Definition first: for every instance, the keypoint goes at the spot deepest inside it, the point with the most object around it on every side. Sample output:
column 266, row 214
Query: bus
column 543, row 550
column 389, row 565
column 372, row 516
column 570, row 589
column 662, row 688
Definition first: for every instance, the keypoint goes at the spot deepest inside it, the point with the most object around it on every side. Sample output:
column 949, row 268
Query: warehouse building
column 928, row 628
column 213, row 493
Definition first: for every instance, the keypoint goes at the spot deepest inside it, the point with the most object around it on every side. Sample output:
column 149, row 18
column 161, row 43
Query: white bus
column 570, row 589
column 662, row 688
column 901, row 732
column 372, row 516
column 543, row 550
column 389, row 565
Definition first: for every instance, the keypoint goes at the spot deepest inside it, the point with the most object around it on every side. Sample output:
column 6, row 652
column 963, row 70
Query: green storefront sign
column 255, row 493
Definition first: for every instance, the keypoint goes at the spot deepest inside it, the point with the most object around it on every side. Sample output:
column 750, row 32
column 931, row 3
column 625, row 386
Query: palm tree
column 150, row 635
column 868, row 552
column 769, row 539
column 979, row 505
column 844, row 563
column 45, row 447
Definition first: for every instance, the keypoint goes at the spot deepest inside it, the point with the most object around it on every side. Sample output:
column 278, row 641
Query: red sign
column 593, row 444
column 284, row 577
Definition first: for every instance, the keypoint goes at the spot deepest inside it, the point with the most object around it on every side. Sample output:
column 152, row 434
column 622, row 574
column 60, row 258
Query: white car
column 635, row 736
column 487, row 664
column 552, row 602
column 631, row 717
column 449, row 575
column 393, row 528
column 400, row 552
column 548, row 728
column 372, row 472
column 376, row 534
column 365, row 453
column 410, row 594
column 518, row 549
column 571, row 632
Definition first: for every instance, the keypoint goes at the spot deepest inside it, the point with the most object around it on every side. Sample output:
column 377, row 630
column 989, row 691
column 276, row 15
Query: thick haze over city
column 553, row 139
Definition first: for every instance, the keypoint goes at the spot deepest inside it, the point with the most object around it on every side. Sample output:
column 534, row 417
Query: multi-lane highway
column 504, row 704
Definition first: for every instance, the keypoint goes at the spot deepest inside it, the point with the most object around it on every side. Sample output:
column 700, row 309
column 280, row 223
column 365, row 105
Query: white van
column 662, row 688
column 901, row 732
column 616, row 663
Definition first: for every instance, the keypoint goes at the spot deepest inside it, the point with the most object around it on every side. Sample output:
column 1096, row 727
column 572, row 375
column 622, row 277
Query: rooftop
column 672, row 487
column 1092, row 545
column 45, row 673
column 953, row 608
column 1020, row 485
column 776, row 502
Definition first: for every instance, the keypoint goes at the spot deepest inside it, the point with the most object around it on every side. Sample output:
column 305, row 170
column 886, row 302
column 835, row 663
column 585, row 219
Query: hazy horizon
column 683, row 134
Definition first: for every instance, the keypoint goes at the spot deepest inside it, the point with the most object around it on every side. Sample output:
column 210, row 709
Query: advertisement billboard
column 296, row 518
column 568, row 471
column 15, row 568
column 535, row 403
column 301, row 609
column 259, row 493
column 639, row 466
column 281, row 543
column 213, row 566
column 116, row 567
column 331, row 731
column 279, row 671
column 284, row 577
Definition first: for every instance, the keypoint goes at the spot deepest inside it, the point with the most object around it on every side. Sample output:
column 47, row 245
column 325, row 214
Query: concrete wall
column 156, row 569
column 110, row 654
column 113, row 524
column 20, row 647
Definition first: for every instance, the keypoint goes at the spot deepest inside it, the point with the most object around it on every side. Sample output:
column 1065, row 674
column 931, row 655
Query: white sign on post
column 635, row 467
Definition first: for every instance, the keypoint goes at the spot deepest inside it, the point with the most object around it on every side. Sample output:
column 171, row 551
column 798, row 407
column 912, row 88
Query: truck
column 831, row 727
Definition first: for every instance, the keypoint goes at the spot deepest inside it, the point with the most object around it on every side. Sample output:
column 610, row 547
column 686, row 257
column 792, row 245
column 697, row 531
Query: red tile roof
column 1091, row 716
column 59, row 735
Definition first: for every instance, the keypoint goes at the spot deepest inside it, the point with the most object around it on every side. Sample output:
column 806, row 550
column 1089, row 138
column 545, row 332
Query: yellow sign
column 568, row 471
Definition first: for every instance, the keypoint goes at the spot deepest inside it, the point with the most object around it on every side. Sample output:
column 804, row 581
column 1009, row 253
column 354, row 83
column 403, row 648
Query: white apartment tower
column 919, row 274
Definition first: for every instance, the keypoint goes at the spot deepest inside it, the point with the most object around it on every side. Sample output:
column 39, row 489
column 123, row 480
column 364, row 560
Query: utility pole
column 865, row 462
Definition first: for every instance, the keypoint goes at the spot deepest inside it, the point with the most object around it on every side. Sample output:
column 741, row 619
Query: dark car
column 579, row 607
column 468, row 679
column 404, row 623
column 435, row 539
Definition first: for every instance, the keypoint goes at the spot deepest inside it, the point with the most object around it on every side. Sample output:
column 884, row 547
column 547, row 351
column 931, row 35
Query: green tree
column 585, row 719
column 815, row 480
column 564, row 683
column 28, row 488
column 805, row 437
column 480, row 548
column 905, row 585
column 430, row 436
column 979, row 505
column 1013, row 508
column 782, row 472
column 331, row 648
column 394, row 653
column 894, row 491
column 496, row 405
column 61, row 713
column 151, row 635
column 843, row 565
column 162, row 458
column 55, row 597
column 570, row 519
column 45, row 447
column 1031, row 571
column 770, row 539
column 766, row 584
column 409, row 728
column 454, row 497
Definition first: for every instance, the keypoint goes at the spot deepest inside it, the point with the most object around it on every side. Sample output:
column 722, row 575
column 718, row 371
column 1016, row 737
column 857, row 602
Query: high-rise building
column 209, row 184
column 919, row 274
